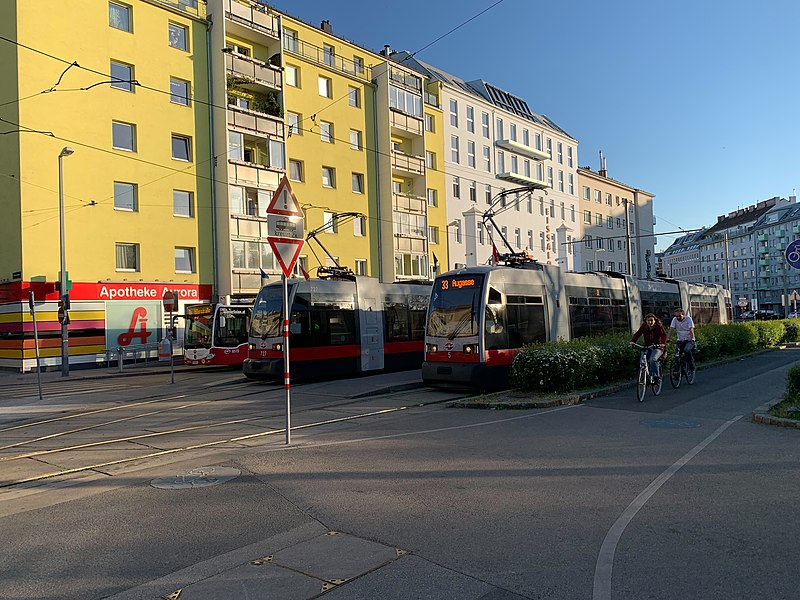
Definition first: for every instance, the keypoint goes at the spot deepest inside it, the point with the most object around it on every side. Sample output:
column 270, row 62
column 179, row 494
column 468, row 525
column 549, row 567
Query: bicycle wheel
column 657, row 385
column 675, row 373
column 641, row 386
column 689, row 373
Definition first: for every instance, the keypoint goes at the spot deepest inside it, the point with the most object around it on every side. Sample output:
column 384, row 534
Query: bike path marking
column 605, row 560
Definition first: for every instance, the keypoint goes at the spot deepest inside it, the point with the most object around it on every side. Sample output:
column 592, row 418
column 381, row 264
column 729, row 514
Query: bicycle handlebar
column 635, row 345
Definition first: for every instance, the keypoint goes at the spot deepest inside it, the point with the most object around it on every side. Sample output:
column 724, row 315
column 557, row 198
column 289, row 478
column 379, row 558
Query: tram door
column 370, row 322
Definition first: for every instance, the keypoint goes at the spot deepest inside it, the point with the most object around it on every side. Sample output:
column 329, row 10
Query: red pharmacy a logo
column 137, row 328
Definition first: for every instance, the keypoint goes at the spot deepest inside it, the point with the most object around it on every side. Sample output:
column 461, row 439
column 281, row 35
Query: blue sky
column 694, row 101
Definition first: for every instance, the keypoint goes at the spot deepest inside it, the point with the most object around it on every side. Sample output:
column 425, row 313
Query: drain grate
column 196, row 478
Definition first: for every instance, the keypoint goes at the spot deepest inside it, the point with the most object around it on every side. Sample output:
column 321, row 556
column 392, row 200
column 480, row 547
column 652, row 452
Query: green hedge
column 586, row 362
column 793, row 384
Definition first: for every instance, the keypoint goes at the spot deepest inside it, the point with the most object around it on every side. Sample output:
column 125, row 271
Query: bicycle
column 644, row 377
column 680, row 369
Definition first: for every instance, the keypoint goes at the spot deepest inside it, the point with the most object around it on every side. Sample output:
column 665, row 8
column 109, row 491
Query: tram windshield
column 267, row 313
column 197, row 328
column 455, row 306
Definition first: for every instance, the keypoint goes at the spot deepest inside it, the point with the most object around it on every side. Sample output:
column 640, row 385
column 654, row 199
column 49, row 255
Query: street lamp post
column 66, row 151
column 596, row 250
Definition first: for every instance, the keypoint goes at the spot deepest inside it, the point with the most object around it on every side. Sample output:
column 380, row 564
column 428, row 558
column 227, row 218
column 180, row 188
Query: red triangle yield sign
column 284, row 201
column 286, row 251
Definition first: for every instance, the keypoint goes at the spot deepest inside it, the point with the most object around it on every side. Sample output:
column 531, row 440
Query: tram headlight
column 431, row 348
column 471, row 349
column 252, row 346
column 277, row 347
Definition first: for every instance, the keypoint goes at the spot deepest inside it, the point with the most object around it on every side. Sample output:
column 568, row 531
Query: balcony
column 536, row 184
column 412, row 81
column 405, row 123
column 409, row 244
column 518, row 148
column 413, row 165
column 252, row 74
column 255, row 122
column 193, row 7
column 321, row 56
column 250, row 16
column 414, row 204
column 763, row 262
column 763, row 237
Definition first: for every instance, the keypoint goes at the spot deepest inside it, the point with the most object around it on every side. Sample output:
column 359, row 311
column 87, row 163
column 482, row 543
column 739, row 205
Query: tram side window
column 398, row 322
column 525, row 320
column 495, row 331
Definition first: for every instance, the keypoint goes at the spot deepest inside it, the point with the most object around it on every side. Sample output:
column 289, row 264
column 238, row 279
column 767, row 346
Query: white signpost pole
column 32, row 304
column 287, row 380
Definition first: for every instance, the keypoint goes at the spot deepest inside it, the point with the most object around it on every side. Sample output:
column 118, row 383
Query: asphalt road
column 681, row 496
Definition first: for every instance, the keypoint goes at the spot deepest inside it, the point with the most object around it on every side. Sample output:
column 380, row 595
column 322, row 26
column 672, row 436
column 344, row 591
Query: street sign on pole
column 169, row 300
column 284, row 201
column 793, row 254
column 286, row 251
column 742, row 302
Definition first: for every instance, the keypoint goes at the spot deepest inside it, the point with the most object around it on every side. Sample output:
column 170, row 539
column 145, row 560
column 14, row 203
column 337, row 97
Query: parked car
column 793, row 315
column 748, row 315
column 766, row 315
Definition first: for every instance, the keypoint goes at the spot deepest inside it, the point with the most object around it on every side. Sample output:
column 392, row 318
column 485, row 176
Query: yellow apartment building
column 115, row 93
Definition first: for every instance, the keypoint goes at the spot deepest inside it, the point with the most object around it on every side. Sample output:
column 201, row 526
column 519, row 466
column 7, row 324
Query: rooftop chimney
column 326, row 26
column 602, row 172
column 387, row 50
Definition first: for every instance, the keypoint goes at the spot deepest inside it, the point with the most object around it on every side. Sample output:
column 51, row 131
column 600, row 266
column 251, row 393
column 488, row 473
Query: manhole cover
column 196, row 478
column 671, row 423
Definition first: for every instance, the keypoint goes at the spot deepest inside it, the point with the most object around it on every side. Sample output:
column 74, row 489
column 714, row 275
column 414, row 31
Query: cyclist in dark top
column 654, row 334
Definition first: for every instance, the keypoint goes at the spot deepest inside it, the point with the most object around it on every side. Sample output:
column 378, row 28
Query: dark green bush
column 792, row 331
column 793, row 384
column 770, row 333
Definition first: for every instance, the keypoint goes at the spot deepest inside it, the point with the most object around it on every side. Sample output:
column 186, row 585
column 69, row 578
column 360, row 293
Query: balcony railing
column 519, row 179
column 409, row 244
column 410, row 164
column 259, row 123
column 253, row 71
column 252, row 16
column 406, row 79
column 193, row 7
column 432, row 99
column 406, row 203
column 256, row 175
column 406, row 122
column 325, row 57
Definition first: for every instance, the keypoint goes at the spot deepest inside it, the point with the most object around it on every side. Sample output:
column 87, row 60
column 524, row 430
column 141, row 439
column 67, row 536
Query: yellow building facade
column 116, row 93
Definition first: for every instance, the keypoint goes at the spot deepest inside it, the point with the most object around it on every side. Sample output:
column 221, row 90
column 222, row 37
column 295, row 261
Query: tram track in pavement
column 97, row 467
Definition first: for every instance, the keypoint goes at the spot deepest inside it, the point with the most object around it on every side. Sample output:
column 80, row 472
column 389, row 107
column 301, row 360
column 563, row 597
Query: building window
column 127, row 257
column 550, row 176
column 512, row 131
column 481, row 234
column 609, row 222
column 560, row 180
column 608, row 199
column 184, row 260
column 328, row 55
column 121, row 76
column 354, row 96
column 473, row 191
column 123, row 136
column 330, row 221
column 328, row 177
column 571, row 184
column 293, row 120
column 325, row 87
column 296, row 170
column 326, row 131
column 501, row 162
column 361, row 264
column 182, row 203
column 358, row 65
column 550, row 148
column 355, row 139
column 470, row 119
column 471, row 154
column 488, row 194
column 598, row 220
column 119, row 16
column 587, row 216
column 485, row 124
column 560, row 150
column 430, row 159
column 487, row 158
column 125, row 196
column 179, row 91
column 178, row 37
column 292, row 76
column 428, row 122
column 181, row 147
column 360, row 226
column 433, row 235
column 453, row 113
column 433, row 199
column 514, row 163
column 358, row 183
column 569, row 156
column 498, row 129
column 454, row 148
column 456, row 187
column 290, row 41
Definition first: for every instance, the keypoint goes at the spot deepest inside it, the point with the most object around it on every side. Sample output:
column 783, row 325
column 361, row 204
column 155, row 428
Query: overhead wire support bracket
column 337, row 271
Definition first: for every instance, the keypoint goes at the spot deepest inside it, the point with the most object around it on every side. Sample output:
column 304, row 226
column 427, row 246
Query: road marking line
column 605, row 560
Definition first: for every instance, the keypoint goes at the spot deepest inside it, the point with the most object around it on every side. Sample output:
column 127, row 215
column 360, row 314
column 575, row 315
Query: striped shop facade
column 104, row 316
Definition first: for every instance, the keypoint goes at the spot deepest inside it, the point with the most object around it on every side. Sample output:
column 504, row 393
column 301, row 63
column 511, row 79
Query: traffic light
column 64, row 302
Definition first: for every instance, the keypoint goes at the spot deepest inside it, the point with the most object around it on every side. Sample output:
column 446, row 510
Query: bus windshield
column 268, row 312
column 455, row 306
column 230, row 328
column 197, row 328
